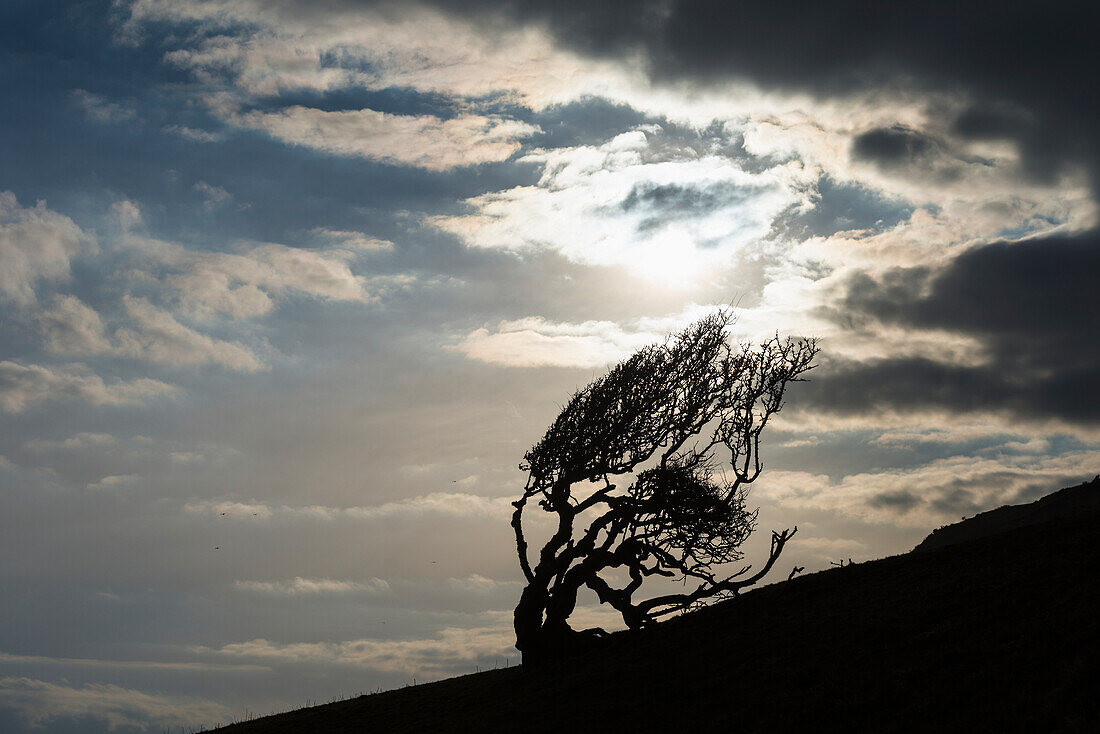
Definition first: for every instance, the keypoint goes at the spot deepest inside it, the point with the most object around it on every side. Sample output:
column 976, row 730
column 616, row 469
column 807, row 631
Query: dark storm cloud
column 1027, row 64
column 891, row 146
column 1024, row 66
column 1041, row 290
column 1032, row 304
column 905, row 152
column 1030, row 56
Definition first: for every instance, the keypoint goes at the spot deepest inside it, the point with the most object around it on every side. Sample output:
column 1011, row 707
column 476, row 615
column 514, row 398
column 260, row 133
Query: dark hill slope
column 1068, row 502
column 991, row 635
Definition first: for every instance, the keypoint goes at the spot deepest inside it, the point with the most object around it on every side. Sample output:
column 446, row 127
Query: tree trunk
column 542, row 637
column 554, row 642
column 527, row 620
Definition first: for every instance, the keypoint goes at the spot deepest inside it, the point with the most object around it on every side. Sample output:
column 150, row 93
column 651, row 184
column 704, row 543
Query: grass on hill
column 993, row 634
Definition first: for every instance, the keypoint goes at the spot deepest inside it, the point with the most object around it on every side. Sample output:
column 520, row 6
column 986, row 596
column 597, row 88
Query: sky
column 287, row 290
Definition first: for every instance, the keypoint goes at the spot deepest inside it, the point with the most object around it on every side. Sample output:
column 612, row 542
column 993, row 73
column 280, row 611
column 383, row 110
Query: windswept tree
column 630, row 477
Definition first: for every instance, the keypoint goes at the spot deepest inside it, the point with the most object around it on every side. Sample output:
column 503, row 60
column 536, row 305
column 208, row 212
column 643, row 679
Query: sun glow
column 671, row 261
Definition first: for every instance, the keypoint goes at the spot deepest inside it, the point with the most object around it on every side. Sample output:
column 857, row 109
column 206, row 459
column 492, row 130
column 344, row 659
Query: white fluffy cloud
column 69, row 326
column 978, row 187
column 36, row 244
column 156, row 336
column 536, row 342
column 671, row 217
column 22, row 386
column 247, row 283
column 326, row 46
column 424, row 141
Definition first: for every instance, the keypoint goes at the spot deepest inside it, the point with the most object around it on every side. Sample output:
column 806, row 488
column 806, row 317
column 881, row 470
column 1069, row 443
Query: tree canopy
column 630, row 476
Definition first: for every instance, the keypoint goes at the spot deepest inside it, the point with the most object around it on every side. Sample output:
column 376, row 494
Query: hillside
column 1068, row 502
column 992, row 633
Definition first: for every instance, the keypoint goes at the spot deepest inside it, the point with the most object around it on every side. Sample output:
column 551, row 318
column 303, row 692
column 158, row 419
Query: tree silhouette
column 652, row 424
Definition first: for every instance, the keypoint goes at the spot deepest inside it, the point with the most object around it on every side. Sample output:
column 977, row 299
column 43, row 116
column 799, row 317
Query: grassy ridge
column 992, row 634
column 1068, row 502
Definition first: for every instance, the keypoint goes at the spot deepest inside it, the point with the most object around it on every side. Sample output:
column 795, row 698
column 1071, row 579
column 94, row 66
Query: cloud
column 126, row 214
column 352, row 241
column 453, row 650
column 156, row 336
column 13, row 660
column 829, row 547
column 22, row 386
column 423, row 141
column 69, row 326
column 478, row 584
column 892, row 146
column 442, row 503
column 842, row 49
column 197, row 135
column 454, row 504
column 262, row 49
column 40, row 702
column 538, row 342
column 930, row 494
column 535, row 55
column 905, row 149
column 114, row 481
column 36, row 244
column 535, row 342
column 948, row 434
column 97, row 460
column 98, row 109
column 668, row 216
column 246, row 285
column 151, row 334
column 215, row 196
column 81, row 441
column 299, row 586
column 1027, row 303
column 687, row 61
